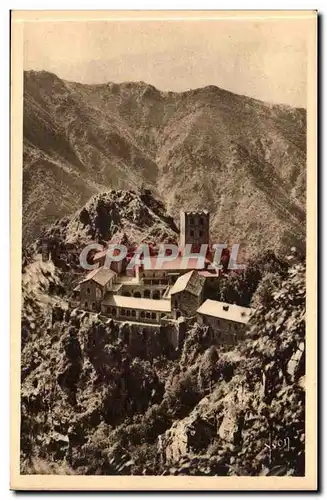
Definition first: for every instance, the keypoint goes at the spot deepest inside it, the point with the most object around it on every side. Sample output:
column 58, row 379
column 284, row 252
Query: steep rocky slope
column 207, row 148
column 251, row 422
column 93, row 404
column 116, row 215
column 89, row 406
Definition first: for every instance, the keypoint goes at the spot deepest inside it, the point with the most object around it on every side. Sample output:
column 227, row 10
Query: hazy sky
column 265, row 59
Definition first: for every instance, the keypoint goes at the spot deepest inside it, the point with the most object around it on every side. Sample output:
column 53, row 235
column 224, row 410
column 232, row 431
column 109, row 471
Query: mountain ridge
column 163, row 92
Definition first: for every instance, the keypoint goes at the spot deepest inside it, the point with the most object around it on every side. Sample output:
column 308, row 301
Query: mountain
column 242, row 159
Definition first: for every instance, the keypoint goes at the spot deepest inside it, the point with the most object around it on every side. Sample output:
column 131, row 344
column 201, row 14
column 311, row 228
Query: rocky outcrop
column 217, row 419
column 116, row 216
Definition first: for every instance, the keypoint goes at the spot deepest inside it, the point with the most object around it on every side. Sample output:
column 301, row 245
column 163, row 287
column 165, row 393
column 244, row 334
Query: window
column 114, row 312
column 176, row 303
column 93, row 305
column 192, row 232
column 133, row 313
column 200, row 233
column 191, row 221
column 153, row 316
column 201, row 221
column 128, row 312
column 85, row 305
column 88, row 291
column 148, row 315
column 123, row 312
column 142, row 314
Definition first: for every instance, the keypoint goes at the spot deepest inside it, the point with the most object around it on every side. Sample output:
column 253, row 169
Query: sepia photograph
column 163, row 250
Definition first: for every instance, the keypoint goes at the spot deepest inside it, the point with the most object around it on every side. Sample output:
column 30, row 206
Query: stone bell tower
column 194, row 228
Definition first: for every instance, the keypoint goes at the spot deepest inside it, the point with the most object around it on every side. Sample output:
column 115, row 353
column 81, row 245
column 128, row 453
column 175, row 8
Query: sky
column 265, row 59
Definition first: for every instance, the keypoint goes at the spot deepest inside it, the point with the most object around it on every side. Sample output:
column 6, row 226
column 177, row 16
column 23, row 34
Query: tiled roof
column 136, row 303
column 90, row 275
column 222, row 310
column 190, row 282
column 101, row 276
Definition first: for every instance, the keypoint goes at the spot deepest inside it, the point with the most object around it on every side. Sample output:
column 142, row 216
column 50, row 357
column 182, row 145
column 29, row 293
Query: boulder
column 295, row 364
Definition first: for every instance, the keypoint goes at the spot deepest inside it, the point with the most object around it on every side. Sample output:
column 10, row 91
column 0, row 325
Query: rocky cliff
column 91, row 406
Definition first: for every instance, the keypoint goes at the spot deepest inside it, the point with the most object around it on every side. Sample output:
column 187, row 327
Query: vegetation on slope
column 90, row 407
